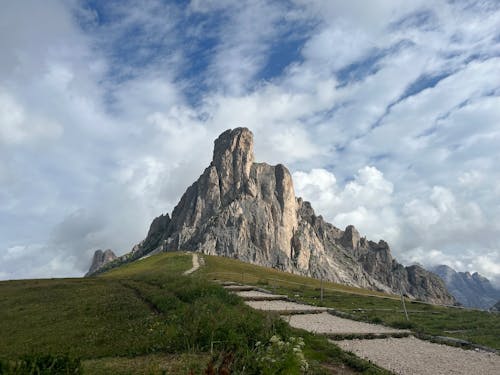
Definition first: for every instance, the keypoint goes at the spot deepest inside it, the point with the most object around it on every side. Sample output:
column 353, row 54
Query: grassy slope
column 476, row 326
column 146, row 312
column 144, row 317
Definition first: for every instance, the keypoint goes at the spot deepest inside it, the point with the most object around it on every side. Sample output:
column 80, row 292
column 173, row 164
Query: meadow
column 147, row 318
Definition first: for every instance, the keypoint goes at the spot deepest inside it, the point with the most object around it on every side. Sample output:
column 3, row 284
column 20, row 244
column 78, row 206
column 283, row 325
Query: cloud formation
column 386, row 113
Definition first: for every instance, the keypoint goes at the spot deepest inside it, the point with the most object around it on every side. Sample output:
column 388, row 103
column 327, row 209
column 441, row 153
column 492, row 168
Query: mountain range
column 471, row 290
column 246, row 210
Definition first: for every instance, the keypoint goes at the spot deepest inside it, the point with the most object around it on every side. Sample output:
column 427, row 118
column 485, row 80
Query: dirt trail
column 196, row 265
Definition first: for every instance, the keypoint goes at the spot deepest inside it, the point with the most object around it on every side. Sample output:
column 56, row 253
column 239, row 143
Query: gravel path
column 408, row 356
column 417, row 357
column 282, row 306
column 196, row 265
column 326, row 323
column 257, row 294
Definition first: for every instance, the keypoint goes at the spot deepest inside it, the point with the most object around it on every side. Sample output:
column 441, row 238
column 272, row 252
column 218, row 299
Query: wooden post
column 404, row 306
column 321, row 298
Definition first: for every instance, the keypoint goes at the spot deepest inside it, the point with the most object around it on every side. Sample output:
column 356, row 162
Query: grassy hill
column 147, row 318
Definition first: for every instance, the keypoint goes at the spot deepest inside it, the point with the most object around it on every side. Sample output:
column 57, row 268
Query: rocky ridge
column 246, row 210
column 471, row 290
column 100, row 259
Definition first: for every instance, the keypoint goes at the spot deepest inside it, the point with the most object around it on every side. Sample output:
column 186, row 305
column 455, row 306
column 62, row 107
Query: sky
column 387, row 114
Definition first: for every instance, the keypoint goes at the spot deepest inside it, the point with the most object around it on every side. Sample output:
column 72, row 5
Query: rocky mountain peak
column 247, row 210
column 471, row 290
column 351, row 237
column 234, row 144
column 100, row 259
column 233, row 159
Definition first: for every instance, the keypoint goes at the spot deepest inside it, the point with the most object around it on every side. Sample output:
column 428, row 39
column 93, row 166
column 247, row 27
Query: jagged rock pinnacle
column 247, row 210
column 100, row 259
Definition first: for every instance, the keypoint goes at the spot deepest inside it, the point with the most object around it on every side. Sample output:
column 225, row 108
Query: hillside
column 246, row 210
column 146, row 316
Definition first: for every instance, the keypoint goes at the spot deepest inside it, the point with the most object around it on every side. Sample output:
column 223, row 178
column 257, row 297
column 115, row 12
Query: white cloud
column 364, row 202
column 109, row 119
column 17, row 127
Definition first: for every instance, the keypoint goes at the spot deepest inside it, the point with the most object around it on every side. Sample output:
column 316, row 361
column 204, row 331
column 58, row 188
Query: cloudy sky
column 386, row 112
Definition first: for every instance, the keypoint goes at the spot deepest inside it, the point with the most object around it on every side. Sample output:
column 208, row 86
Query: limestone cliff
column 246, row 210
column 100, row 259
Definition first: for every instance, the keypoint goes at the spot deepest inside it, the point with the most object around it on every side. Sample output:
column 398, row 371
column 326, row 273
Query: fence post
column 321, row 289
column 404, row 306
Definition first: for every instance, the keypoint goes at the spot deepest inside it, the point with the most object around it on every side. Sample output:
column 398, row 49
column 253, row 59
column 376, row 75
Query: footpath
column 393, row 349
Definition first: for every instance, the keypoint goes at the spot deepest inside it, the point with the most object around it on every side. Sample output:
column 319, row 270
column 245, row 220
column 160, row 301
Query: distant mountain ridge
column 471, row 290
column 241, row 209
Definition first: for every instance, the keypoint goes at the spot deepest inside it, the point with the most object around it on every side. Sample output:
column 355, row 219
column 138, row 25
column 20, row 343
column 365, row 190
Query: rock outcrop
column 246, row 210
column 100, row 259
column 471, row 290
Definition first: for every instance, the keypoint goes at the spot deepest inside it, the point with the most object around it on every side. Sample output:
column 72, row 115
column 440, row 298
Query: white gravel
column 258, row 294
column 417, row 357
column 326, row 323
column 282, row 306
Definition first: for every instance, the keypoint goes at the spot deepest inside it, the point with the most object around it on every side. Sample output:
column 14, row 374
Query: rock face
column 101, row 258
column 471, row 290
column 246, row 210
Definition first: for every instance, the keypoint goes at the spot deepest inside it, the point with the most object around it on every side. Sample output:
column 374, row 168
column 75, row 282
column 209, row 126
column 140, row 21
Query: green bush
column 281, row 356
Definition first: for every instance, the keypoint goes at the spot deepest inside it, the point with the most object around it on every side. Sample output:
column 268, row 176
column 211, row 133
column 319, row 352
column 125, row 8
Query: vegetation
column 144, row 317
column 479, row 327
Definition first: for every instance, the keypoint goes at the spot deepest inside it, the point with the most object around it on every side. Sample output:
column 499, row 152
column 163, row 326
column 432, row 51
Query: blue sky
column 386, row 112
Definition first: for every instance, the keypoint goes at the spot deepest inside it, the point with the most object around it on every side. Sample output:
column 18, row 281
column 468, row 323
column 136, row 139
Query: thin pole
column 321, row 288
column 404, row 306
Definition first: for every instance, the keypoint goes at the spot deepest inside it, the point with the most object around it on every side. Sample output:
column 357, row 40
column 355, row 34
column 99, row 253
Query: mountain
column 100, row 259
column 246, row 210
column 496, row 307
column 471, row 290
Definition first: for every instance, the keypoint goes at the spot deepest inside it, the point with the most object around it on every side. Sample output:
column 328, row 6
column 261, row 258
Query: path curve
column 196, row 265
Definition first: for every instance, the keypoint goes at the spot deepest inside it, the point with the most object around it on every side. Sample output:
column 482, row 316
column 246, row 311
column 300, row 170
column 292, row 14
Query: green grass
column 147, row 364
column 479, row 327
column 84, row 318
column 145, row 317
column 234, row 270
